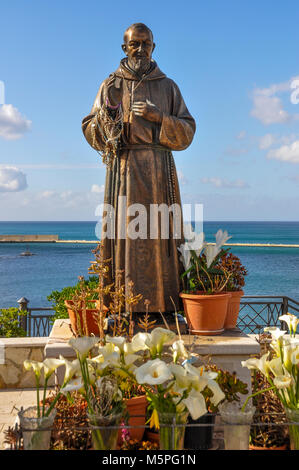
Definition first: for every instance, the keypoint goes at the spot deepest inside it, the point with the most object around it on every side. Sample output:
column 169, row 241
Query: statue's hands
column 147, row 110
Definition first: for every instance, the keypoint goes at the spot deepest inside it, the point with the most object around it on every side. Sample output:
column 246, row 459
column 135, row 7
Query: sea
column 272, row 271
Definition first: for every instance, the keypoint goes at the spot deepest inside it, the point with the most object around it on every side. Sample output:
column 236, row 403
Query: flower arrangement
column 280, row 368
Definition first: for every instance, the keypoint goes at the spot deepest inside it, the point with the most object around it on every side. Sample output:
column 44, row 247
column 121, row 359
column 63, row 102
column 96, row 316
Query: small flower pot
column 36, row 431
column 205, row 314
column 136, row 408
column 233, row 309
column 200, row 437
column 91, row 318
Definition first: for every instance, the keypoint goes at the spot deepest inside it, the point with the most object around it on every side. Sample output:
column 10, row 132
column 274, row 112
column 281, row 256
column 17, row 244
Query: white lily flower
column 185, row 257
column 196, row 405
column 218, row 394
column 73, row 385
column 295, row 357
column 182, row 379
column 261, row 364
column 275, row 366
column 83, row 344
column 221, row 238
column 103, row 361
column 198, row 376
column 50, row 365
column 179, row 350
column 138, row 342
column 35, row 365
column 118, row 341
column 154, row 372
column 282, row 381
column 71, row 368
column 157, row 338
column 211, row 251
column 291, row 320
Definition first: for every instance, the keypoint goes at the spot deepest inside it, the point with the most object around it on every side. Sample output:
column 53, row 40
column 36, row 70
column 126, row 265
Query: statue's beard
column 140, row 65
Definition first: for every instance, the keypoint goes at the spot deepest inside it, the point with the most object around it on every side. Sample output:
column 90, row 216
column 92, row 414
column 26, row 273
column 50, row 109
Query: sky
column 235, row 62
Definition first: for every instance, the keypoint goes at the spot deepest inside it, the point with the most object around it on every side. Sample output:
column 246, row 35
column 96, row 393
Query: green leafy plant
column 58, row 297
column 10, row 322
column 230, row 385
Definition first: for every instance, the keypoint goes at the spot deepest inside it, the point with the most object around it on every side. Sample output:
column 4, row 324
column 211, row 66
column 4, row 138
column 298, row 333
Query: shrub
column 10, row 324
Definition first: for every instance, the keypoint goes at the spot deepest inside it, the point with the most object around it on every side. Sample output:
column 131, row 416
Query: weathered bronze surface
column 155, row 122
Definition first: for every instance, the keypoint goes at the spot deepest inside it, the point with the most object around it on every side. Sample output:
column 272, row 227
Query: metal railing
column 256, row 312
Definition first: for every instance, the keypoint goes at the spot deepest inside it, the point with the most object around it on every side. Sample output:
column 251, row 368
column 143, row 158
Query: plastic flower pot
column 36, row 431
column 205, row 313
column 200, row 437
column 236, row 425
column 172, row 430
column 104, row 430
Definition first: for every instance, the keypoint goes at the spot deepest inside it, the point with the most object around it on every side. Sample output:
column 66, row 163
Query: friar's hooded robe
column 145, row 173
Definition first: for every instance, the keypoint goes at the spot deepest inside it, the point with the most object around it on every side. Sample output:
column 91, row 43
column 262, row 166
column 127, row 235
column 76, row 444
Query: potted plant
column 36, row 421
column 201, row 437
column 280, row 368
column 204, row 297
column 236, row 282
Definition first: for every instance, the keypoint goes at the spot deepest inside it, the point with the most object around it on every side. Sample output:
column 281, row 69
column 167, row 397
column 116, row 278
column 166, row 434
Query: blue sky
column 234, row 62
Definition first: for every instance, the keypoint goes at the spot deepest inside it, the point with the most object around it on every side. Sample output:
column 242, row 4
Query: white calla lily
column 196, row 405
column 83, row 344
column 118, row 341
column 157, row 338
column 73, row 385
column 291, row 320
column 153, row 372
column 185, row 257
column 35, row 365
column 50, row 365
column 282, row 381
column 179, row 350
column 71, row 368
column 261, row 364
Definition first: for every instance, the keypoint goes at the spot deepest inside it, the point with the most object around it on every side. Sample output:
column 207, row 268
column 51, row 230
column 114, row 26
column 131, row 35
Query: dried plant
column 146, row 324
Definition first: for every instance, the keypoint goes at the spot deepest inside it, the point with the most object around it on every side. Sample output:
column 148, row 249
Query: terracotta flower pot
column 90, row 320
column 136, row 408
column 251, row 447
column 205, row 313
column 233, row 309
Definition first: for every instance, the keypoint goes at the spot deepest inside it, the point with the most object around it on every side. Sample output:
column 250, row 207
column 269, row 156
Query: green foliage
column 229, row 384
column 10, row 324
column 58, row 297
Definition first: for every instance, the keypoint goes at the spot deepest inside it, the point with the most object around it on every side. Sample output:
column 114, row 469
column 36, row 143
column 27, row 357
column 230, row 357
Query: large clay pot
column 90, row 317
column 283, row 447
column 136, row 408
column 205, row 313
column 233, row 309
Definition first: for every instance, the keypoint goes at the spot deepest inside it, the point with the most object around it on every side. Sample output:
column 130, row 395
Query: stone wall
column 13, row 352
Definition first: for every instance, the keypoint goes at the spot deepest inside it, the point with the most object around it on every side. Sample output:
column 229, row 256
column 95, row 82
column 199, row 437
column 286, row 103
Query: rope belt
column 143, row 147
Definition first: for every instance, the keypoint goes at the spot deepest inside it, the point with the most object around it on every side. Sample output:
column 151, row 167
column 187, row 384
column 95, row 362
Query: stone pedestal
column 226, row 350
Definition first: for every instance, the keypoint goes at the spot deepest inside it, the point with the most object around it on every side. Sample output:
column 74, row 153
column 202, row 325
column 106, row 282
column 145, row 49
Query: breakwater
column 55, row 239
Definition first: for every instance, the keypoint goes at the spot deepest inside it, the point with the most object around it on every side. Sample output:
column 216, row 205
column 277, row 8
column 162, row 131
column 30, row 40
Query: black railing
column 256, row 313
column 259, row 311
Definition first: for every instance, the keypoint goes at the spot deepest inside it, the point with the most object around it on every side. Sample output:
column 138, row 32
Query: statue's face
column 139, row 47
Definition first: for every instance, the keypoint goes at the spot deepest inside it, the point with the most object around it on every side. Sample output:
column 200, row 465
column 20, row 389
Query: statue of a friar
column 138, row 118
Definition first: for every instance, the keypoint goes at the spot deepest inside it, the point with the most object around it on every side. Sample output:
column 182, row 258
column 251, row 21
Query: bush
column 10, row 324
column 58, row 297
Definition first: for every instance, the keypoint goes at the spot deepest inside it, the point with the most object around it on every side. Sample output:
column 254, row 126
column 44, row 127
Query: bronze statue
column 137, row 119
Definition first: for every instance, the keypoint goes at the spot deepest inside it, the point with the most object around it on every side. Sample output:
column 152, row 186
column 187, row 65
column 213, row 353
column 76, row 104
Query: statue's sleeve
column 177, row 128
column 90, row 123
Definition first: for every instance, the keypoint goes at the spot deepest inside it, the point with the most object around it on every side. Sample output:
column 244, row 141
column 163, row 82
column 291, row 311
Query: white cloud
column 267, row 141
column 97, row 189
column 12, row 124
column 268, row 107
column 181, row 177
column 241, row 135
column 286, row 153
column 12, row 179
column 222, row 183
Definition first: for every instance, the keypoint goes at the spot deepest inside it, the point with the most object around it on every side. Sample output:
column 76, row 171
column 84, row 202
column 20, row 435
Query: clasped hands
column 144, row 109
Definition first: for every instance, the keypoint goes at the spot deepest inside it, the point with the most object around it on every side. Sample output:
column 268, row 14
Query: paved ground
column 10, row 401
